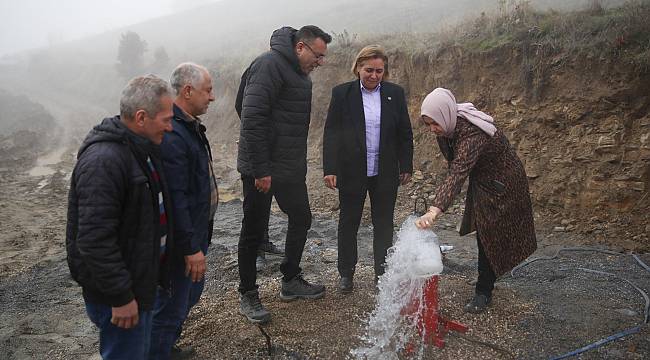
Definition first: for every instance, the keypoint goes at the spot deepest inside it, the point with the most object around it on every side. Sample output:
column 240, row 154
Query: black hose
column 613, row 337
column 643, row 293
column 609, row 252
column 600, row 342
column 636, row 257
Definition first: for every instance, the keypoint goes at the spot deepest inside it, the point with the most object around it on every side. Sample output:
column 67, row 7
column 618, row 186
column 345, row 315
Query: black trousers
column 382, row 205
column 293, row 201
column 486, row 277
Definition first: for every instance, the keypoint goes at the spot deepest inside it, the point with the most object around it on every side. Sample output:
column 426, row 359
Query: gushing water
column 412, row 260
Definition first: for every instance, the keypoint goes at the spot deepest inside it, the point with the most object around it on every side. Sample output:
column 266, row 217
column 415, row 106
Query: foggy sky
column 29, row 24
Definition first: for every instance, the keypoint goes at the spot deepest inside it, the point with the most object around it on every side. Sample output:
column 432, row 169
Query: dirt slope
column 579, row 120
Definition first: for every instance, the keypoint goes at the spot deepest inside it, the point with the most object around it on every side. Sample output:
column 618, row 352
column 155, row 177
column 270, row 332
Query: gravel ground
column 548, row 308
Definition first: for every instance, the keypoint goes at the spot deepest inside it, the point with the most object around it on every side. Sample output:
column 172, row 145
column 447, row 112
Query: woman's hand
column 330, row 181
column 426, row 221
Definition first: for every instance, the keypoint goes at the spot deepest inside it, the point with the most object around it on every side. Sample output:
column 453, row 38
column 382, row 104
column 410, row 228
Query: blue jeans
column 117, row 343
column 171, row 310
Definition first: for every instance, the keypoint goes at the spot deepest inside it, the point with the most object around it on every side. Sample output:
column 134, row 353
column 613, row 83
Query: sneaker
column 260, row 262
column 270, row 248
column 478, row 304
column 251, row 307
column 346, row 284
column 179, row 353
column 299, row 288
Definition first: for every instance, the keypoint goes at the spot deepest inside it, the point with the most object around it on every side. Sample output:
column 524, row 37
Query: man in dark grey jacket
column 275, row 102
column 119, row 233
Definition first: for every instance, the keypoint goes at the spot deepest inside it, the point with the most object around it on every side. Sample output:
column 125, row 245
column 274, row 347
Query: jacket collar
column 183, row 116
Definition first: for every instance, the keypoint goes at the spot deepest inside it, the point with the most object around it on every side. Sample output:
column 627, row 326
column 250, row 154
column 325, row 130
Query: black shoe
column 179, row 353
column 346, row 284
column 251, row 307
column 478, row 304
column 270, row 248
column 299, row 288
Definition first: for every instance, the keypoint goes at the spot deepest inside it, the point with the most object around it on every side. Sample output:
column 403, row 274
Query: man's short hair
column 143, row 93
column 309, row 33
column 187, row 73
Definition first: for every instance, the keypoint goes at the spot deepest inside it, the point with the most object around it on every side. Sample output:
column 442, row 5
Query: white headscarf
column 440, row 105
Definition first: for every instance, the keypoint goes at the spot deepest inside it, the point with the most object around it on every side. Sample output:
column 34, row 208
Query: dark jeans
column 486, row 277
column 293, row 201
column 171, row 309
column 117, row 343
column 382, row 206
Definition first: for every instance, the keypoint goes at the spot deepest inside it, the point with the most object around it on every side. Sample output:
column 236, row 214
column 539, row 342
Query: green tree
column 130, row 55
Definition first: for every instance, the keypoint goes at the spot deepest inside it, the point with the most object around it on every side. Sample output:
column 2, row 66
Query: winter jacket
column 186, row 155
column 275, row 98
column 113, row 230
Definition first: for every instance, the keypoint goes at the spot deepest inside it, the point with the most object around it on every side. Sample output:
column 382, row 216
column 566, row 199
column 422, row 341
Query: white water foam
column 412, row 260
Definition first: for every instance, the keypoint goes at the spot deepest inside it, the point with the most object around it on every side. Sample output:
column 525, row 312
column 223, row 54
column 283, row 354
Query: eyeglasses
column 319, row 57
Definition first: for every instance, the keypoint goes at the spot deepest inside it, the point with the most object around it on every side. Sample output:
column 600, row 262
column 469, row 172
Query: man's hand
column 125, row 316
column 195, row 266
column 263, row 184
column 330, row 181
column 404, row 178
column 426, row 221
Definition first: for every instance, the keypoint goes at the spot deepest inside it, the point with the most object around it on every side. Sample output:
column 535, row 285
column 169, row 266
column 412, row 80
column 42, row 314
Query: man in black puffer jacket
column 275, row 105
column 119, row 233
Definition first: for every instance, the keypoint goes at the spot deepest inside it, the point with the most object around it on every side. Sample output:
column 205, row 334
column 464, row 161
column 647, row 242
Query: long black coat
column 275, row 102
column 344, row 138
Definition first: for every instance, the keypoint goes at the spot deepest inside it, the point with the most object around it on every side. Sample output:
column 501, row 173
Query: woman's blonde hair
column 368, row 53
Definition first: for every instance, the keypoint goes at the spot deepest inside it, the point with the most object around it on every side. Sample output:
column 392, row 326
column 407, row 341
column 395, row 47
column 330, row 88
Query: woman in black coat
column 367, row 148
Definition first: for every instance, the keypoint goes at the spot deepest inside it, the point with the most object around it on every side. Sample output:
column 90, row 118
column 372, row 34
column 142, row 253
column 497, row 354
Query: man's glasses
column 319, row 57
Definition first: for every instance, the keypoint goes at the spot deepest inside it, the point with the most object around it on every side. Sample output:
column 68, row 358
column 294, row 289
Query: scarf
column 440, row 105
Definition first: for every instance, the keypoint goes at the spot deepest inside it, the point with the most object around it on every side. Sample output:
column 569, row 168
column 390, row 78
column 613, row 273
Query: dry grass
column 595, row 31
column 621, row 32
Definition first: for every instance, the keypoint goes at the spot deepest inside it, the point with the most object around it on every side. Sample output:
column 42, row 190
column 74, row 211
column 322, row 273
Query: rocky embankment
column 581, row 126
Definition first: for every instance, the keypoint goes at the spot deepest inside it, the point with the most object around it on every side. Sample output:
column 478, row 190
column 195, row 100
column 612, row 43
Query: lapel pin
column 389, row 98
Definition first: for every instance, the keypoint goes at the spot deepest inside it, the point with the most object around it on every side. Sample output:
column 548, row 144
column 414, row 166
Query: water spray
column 407, row 309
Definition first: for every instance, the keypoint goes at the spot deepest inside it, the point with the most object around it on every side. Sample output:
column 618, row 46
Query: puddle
column 42, row 183
column 41, row 171
column 44, row 163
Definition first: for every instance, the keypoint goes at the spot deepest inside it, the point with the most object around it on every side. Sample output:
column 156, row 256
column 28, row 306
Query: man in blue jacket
column 119, row 234
column 188, row 159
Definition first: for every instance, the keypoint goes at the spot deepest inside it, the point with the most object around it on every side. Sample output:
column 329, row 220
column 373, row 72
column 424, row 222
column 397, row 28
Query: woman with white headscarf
column 498, row 205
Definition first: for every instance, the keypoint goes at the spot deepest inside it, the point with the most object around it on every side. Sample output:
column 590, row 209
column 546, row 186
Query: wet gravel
column 548, row 308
